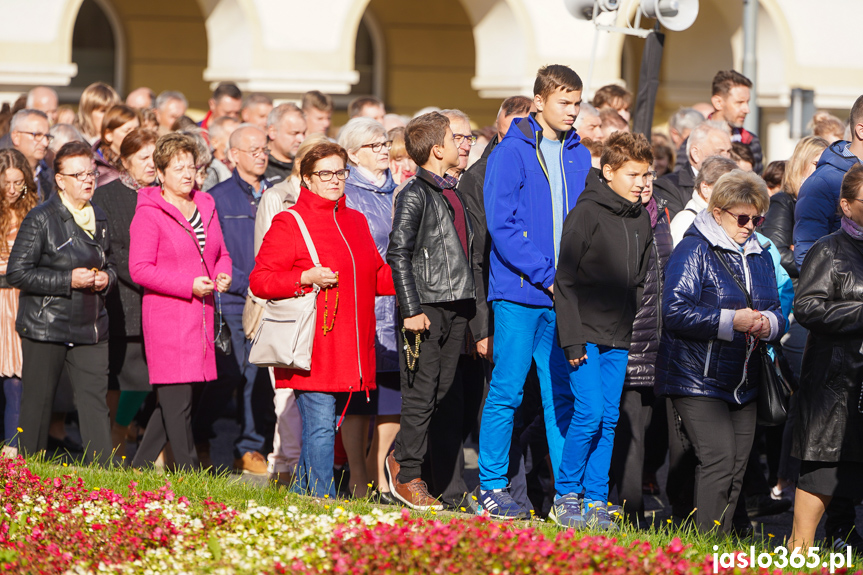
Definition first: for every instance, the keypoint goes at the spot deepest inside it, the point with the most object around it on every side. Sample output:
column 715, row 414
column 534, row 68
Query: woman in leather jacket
column 828, row 437
column 709, row 363
column 62, row 263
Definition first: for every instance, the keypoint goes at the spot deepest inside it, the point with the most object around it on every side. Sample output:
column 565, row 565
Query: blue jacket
column 519, row 212
column 376, row 204
column 237, row 207
column 699, row 354
column 817, row 211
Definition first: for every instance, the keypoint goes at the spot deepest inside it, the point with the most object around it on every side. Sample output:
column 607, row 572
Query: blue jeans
column 596, row 386
column 320, row 415
column 522, row 333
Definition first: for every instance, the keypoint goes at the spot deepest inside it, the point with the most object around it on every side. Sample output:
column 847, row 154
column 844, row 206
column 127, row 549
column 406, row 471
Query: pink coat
column 165, row 260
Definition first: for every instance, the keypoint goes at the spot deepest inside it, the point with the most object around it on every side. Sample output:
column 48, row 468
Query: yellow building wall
column 430, row 58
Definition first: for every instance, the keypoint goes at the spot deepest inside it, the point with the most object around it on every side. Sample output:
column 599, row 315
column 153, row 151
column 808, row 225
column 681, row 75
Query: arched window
column 368, row 58
column 94, row 47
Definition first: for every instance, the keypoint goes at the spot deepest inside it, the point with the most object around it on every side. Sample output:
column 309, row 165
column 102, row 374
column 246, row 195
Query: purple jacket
column 164, row 258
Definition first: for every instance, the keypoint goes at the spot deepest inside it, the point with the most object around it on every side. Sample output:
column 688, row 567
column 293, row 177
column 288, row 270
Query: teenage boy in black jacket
column 429, row 253
column 600, row 276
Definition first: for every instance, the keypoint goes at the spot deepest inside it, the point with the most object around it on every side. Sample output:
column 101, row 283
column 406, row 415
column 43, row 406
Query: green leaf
column 214, row 547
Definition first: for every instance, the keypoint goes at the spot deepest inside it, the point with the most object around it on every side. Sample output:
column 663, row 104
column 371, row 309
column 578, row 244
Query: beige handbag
column 253, row 312
column 287, row 328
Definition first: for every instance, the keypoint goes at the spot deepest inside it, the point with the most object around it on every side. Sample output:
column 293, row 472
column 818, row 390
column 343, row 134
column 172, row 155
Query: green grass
column 231, row 490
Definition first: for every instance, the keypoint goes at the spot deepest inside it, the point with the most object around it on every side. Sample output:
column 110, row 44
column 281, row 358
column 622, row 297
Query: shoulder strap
column 691, row 210
column 724, row 263
column 309, row 243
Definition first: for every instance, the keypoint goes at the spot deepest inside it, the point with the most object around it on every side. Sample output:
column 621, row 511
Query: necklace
column 328, row 328
column 412, row 355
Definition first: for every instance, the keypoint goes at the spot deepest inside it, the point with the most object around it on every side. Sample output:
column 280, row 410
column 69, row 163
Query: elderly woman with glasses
column 369, row 190
column 62, row 263
column 351, row 273
column 709, row 363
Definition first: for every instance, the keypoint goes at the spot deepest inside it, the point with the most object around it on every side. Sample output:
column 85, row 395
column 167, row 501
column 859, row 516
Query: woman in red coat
column 352, row 273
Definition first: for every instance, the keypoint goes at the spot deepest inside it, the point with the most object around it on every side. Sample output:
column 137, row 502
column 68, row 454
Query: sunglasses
column 743, row 219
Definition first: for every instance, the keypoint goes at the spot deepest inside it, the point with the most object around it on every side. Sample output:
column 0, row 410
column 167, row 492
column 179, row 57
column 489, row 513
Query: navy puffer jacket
column 700, row 355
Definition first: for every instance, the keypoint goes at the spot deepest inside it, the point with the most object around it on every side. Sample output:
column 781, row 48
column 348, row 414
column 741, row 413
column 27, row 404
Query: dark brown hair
column 424, row 133
column 852, row 183
column 355, row 107
column 227, row 90
column 724, row 80
column 622, row 147
column 555, row 76
column 516, row 105
column 740, row 151
column 609, row 116
column 169, row 146
column 116, row 116
column 773, row 173
column 12, row 158
column 856, row 117
column 73, row 149
column 137, row 139
column 317, row 153
column 613, row 96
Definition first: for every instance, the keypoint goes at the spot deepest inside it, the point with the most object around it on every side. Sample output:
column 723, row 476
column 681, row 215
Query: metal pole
column 750, row 68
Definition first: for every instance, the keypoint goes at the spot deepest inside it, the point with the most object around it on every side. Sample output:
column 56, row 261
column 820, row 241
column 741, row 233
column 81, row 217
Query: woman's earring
column 24, row 191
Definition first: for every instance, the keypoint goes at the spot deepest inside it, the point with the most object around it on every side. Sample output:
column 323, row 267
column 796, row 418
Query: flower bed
column 59, row 526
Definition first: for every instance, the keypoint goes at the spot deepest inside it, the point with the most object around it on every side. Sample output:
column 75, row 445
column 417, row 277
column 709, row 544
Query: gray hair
column 456, row 115
column 31, row 95
column 684, row 119
column 234, row 140
column 701, row 132
column 276, row 114
column 169, row 95
column 197, row 136
column 712, row 169
column 22, row 115
column 64, row 133
column 360, row 131
column 256, row 98
column 585, row 111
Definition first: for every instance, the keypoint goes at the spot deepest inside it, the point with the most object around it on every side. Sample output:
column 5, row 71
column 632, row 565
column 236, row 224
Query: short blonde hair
column 738, row 188
column 171, row 145
column 398, row 150
column 309, row 143
column 94, row 97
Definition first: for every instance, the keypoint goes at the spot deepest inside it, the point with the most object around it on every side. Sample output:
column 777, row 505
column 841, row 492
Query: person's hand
column 551, row 289
column 418, row 323
column 320, row 276
column 746, row 319
column 484, row 347
column 577, row 362
column 83, row 278
column 223, row 282
column 203, row 286
column 763, row 332
column 100, row 282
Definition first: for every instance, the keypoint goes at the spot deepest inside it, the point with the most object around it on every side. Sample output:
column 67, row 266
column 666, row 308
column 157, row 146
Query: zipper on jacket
column 445, row 255
column 521, row 275
column 356, row 302
column 550, row 191
column 658, row 289
column 426, row 263
column 628, row 275
column 707, row 361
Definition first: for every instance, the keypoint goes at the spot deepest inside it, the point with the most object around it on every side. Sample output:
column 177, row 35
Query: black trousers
column 721, row 434
column 425, row 390
column 87, row 367
column 627, row 458
column 171, row 421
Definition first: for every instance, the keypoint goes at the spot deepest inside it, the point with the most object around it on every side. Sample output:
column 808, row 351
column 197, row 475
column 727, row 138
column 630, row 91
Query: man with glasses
column 29, row 132
column 464, row 139
column 286, row 128
column 237, row 205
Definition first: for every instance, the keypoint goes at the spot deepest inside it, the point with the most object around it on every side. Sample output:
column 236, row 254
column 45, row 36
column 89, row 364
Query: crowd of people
column 585, row 301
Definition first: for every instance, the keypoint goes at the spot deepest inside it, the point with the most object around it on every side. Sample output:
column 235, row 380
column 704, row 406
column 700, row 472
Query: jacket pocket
column 426, row 275
column 707, row 359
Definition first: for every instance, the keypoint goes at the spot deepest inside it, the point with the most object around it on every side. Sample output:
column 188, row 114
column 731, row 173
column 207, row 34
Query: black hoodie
column 601, row 269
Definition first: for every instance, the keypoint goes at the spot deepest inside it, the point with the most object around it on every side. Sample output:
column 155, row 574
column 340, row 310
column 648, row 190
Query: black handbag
column 774, row 393
column 223, row 332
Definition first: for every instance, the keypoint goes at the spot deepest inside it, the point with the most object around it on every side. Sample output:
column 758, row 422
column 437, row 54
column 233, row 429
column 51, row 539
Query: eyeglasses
column 649, row 177
column 743, row 220
column 83, row 176
column 17, row 186
column 459, row 138
column 255, row 152
column 327, row 175
column 38, row 136
column 376, row 146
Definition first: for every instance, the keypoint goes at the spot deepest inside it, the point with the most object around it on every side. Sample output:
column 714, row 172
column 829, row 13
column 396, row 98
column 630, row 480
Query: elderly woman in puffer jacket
column 709, row 362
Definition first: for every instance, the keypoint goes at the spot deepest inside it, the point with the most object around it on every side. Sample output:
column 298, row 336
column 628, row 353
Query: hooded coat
column 604, row 251
column 164, row 258
column 700, row 354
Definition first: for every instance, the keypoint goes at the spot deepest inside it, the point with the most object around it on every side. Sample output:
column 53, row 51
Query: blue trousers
column 596, row 386
column 522, row 334
column 320, row 415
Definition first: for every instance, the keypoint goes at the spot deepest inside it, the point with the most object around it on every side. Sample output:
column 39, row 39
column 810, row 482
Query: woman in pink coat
column 177, row 254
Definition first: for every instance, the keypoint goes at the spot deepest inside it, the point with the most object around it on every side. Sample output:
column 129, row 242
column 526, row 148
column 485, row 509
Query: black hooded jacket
column 603, row 262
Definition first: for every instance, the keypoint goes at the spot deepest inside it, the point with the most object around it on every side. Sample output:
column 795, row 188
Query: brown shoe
column 414, row 493
column 252, row 463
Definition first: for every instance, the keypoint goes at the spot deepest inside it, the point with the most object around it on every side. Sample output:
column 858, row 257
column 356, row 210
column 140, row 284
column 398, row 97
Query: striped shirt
column 198, row 225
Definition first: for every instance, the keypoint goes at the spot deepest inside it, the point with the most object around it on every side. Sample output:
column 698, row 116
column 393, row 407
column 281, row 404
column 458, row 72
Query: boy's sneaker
column 597, row 516
column 499, row 504
column 567, row 511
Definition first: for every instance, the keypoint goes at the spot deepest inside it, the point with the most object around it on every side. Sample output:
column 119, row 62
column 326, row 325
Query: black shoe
column 65, row 444
column 384, row 498
column 845, row 537
column 760, row 505
column 743, row 531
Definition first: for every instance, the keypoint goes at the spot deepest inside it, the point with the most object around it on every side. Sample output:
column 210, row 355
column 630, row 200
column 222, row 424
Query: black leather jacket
column 48, row 247
column 778, row 226
column 829, row 304
column 428, row 262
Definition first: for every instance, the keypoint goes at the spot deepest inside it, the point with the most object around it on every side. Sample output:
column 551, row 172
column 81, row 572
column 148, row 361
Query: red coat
column 344, row 358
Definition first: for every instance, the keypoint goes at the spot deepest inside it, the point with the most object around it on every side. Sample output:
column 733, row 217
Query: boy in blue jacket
column 533, row 180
